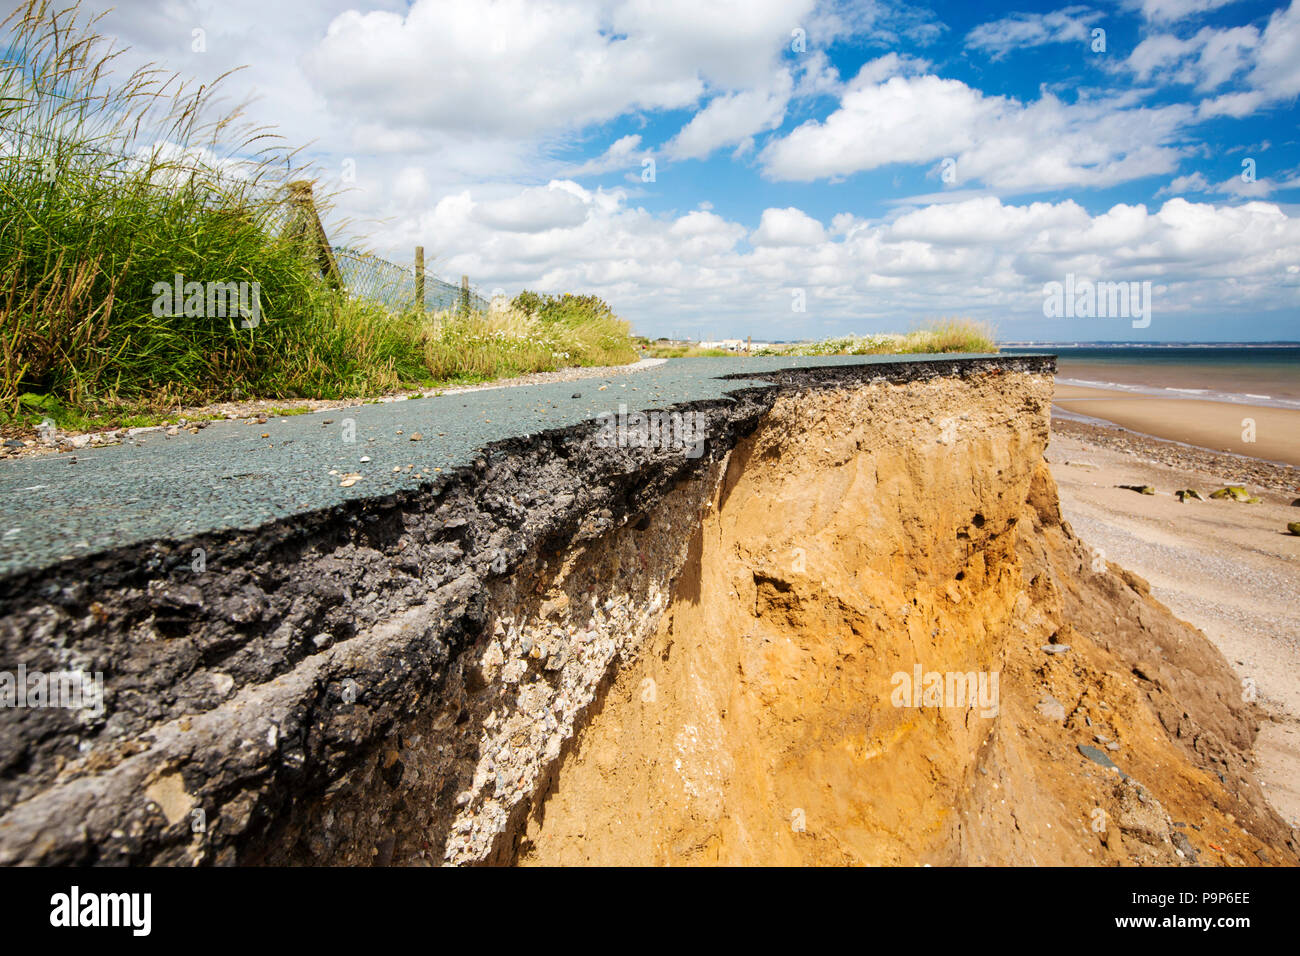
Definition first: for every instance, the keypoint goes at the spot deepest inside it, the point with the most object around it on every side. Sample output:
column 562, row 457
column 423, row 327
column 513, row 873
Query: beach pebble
column 1097, row 757
column 1184, row 845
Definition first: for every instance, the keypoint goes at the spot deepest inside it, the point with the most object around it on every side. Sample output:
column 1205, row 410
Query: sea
column 1266, row 375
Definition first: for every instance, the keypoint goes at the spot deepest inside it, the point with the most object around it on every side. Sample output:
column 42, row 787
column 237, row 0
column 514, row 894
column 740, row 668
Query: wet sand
column 1220, row 426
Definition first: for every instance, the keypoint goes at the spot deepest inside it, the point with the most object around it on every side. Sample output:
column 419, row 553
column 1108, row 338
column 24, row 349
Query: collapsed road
column 378, row 634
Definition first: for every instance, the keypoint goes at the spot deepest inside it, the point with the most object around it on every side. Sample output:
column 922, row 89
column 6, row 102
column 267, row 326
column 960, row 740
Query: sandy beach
column 1221, row 426
column 1229, row 568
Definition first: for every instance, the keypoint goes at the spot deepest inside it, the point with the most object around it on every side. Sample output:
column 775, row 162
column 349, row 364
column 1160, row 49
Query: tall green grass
column 583, row 328
column 533, row 333
column 111, row 181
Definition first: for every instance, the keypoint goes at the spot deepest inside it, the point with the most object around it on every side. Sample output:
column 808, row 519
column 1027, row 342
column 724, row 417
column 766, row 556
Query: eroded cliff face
column 863, row 537
column 577, row 653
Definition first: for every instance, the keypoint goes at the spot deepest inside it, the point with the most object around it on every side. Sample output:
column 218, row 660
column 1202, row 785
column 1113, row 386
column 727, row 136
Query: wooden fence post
column 304, row 220
column 464, row 292
column 419, row 278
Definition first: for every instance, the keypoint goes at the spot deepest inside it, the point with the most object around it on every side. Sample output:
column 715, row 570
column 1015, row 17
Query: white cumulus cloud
column 788, row 227
column 733, row 119
column 558, row 205
column 529, row 67
column 1007, row 145
column 980, row 256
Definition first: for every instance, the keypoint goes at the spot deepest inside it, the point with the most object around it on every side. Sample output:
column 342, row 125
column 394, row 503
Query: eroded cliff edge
column 865, row 533
column 571, row 652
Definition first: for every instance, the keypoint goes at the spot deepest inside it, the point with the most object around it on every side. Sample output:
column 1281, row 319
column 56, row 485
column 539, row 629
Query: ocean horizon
column 1264, row 374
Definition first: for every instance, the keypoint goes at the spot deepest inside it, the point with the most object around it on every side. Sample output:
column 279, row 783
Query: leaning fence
column 372, row 277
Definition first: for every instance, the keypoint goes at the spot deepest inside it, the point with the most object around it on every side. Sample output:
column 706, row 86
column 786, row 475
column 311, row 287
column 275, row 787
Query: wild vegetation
column 115, row 182
column 950, row 335
column 529, row 334
column 680, row 350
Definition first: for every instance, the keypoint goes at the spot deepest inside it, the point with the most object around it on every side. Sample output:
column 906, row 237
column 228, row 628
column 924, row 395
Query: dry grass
column 949, row 335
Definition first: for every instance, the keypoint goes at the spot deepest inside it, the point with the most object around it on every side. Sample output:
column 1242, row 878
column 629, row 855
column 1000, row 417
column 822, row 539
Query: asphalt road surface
column 227, row 476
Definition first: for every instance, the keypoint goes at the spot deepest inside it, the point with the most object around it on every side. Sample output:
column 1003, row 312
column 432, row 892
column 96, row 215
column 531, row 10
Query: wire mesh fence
column 373, row 277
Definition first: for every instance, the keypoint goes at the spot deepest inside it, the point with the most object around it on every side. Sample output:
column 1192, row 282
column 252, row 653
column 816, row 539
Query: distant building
column 734, row 345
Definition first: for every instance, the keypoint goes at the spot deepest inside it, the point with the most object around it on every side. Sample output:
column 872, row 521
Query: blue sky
column 885, row 164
